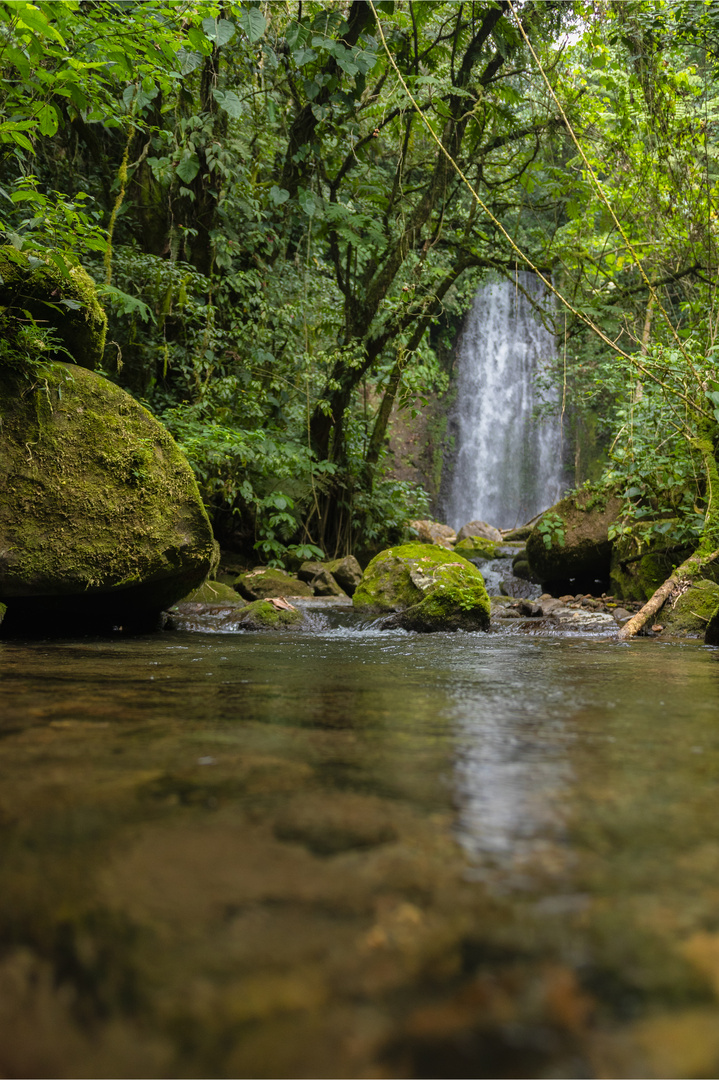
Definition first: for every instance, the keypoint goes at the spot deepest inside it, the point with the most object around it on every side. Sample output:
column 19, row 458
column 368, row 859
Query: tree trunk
column 688, row 569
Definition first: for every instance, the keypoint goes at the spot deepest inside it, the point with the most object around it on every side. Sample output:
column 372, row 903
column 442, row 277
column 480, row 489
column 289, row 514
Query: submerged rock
column 480, row 528
column 570, row 543
column 425, row 588
column 101, row 521
column 69, row 305
column 265, row 581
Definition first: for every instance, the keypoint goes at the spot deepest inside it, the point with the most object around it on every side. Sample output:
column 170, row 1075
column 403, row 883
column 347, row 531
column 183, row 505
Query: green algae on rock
column 426, row 588
column 100, row 514
column 214, row 592
column 265, row 615
column 267, row 581
column 691, row 613
column 477, row 547
column 638, row 568
column 70, row 306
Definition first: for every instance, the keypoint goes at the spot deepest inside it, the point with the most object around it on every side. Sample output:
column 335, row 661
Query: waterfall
column 508, row 466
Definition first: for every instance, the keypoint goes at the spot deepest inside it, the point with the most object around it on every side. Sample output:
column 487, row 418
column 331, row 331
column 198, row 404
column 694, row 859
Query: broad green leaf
column 229, row 101
column 188, row 166
column 49, row 120
column 253, row 23
column 189, row 61
column 278, row 195
column 219, row 31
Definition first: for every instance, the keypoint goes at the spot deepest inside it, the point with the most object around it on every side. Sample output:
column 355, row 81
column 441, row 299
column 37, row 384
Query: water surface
column 359, row 855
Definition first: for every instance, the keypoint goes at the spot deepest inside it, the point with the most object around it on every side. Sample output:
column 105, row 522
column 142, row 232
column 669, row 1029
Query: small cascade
column 508, row 465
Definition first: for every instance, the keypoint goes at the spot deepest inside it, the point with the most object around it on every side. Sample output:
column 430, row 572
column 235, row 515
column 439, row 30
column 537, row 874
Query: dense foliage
column 267, row 197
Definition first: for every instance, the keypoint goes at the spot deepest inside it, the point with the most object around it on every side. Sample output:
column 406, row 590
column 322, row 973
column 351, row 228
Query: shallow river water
column 359, row 855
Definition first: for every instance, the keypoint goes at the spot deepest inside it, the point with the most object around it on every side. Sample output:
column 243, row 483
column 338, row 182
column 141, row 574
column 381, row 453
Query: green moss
column 390, row 582
column 95, row 496
column 637, row 570
column 69, row 306
column 692, row 612
column 214, row 592
column 448, row 607
column 427, row 587
column 263, row 582
column 477, row 547
column 263, row 615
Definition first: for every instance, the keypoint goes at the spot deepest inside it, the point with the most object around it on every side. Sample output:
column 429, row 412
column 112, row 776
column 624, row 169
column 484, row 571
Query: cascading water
column 508, row 465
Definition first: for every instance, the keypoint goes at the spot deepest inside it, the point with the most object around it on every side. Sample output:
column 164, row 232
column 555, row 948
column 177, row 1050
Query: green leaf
column 189, row 61
column 219, row 31
column 253, row 23
column 229, row 101
column 49, row 120
column 278, row 195
column 188, row 166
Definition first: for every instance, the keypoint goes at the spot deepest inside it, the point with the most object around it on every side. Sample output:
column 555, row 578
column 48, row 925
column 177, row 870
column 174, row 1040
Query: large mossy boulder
column 67, row 304
column 425, row 588
column 569, row 549
column 690, row 613
column 101, row 520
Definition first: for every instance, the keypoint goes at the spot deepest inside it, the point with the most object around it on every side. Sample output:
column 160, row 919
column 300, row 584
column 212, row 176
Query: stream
column 349, row 853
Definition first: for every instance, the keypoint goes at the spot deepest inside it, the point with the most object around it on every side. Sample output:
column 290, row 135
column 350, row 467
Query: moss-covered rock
column 480, row 529
column 638, row 568
column 264, row 615
column 265, row 581
column 97, row 503
column 433, row 532
column 569, row 548
column 477, row 547
column 347, row 572
column 215, row 592
column 691, row 612
column 432, row 588
column 69, row 306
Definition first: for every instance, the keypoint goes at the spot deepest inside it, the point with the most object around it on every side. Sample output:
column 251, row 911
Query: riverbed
column 359, row 854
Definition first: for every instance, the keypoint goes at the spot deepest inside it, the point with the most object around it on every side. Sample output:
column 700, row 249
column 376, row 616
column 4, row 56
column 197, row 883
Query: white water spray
column 508, row 465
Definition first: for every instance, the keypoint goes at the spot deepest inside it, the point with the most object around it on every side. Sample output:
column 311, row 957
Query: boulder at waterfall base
column 101, row 521
column 433, row 532
column 481, row 529
column 569, row 548
column 425, row 588
column 476, row 547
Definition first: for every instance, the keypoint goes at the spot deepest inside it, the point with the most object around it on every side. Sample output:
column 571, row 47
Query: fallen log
column 689, row 569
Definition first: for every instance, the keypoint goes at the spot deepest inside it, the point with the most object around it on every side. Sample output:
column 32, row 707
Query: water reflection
column 511, row 789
